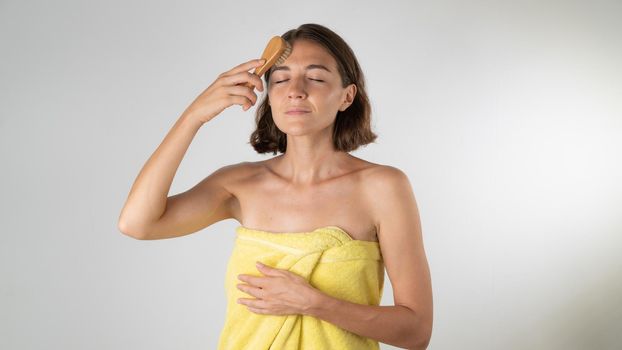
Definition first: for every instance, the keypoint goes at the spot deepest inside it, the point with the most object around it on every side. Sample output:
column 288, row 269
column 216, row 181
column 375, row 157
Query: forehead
column 307, row 54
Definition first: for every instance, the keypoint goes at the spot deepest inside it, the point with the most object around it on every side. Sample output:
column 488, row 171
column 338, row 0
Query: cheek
column 274, row 91
column 334, row 98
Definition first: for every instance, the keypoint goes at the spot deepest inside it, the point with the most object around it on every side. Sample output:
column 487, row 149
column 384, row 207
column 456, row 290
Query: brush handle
column 258, row 72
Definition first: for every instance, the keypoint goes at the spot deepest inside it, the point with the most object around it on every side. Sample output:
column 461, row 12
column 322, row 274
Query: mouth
column 297, row 111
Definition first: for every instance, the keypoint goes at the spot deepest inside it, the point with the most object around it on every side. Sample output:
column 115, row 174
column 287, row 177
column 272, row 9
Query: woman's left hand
column 279, row 292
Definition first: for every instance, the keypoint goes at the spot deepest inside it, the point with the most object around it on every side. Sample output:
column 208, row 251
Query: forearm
column 146, row 201
column 394, row 325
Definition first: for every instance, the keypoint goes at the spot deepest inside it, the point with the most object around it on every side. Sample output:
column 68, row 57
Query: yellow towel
column 329, row 259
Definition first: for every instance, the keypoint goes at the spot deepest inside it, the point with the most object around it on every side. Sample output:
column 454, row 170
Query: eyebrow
column 311, row 66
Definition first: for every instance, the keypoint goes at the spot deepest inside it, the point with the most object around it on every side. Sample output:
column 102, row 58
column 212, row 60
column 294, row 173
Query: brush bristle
column 284, row 55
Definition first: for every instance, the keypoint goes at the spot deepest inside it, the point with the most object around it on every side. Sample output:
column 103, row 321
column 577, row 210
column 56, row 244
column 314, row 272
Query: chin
column 296, row 130
column 301, row 125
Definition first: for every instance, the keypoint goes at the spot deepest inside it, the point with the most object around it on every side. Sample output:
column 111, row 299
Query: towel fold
column 330, row 259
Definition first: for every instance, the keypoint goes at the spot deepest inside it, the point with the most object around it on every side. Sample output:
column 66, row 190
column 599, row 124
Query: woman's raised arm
column 148, row 212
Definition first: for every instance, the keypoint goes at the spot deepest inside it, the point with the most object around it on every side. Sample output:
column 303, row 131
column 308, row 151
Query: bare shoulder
column 236, row 178
column 388, row 190
column 380, row 181
column 228, row 181
column 230, row 175
column 379, row 177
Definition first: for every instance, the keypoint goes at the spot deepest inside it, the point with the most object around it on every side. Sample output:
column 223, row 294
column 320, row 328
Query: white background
column 506, row 116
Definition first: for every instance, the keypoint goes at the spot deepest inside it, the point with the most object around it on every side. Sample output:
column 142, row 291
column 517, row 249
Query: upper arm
column 401, row 242
column 206, row 203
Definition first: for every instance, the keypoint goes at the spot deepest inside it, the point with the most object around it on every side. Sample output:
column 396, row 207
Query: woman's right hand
column 228, row 89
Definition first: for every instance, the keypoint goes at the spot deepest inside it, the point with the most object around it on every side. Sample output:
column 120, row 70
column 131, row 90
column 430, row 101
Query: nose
column 297, row 88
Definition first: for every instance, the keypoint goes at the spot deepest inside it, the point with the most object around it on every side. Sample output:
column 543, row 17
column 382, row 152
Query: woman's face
column 307, row 81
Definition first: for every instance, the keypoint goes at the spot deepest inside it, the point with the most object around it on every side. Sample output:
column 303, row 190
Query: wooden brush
column 275, row 53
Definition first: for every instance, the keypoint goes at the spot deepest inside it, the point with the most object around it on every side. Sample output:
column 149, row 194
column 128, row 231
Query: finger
column 239, row 90
column 245, row 301
column 269, row 271
column 256, row 82
column 246, row 66
column 256, row 281
column 255, row 303
column 240, row 100
column 244, row 77
column 253, row 310
column 257, row 311
column 251, row 290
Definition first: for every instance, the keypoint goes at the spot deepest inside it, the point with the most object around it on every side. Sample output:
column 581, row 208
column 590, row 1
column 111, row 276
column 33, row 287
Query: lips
column 297, row 111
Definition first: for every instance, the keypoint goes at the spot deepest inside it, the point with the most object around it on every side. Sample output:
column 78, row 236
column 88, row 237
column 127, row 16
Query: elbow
column 128, row 231
column 419, row 347
column 420, row 344
column 422, row 334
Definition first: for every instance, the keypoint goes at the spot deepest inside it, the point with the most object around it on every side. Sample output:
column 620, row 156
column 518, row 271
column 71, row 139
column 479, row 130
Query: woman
column 315, row 112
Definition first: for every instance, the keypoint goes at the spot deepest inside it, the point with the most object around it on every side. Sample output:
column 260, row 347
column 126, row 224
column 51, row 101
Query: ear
column 349, row 97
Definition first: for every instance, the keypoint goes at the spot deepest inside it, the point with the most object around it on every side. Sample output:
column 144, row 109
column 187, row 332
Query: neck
column 310, row 159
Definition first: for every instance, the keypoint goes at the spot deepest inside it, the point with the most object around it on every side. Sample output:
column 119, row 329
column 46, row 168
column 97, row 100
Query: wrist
column 320, row 303
column 187, row 118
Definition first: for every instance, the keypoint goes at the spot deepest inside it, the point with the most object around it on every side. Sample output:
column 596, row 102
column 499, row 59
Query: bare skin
column 267, row 201
column 308, row 187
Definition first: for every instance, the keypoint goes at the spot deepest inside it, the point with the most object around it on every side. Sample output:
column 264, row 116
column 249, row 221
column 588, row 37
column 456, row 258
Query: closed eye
column 280, row 81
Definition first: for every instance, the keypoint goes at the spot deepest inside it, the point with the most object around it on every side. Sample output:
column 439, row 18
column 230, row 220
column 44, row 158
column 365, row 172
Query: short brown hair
column 352, row 127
